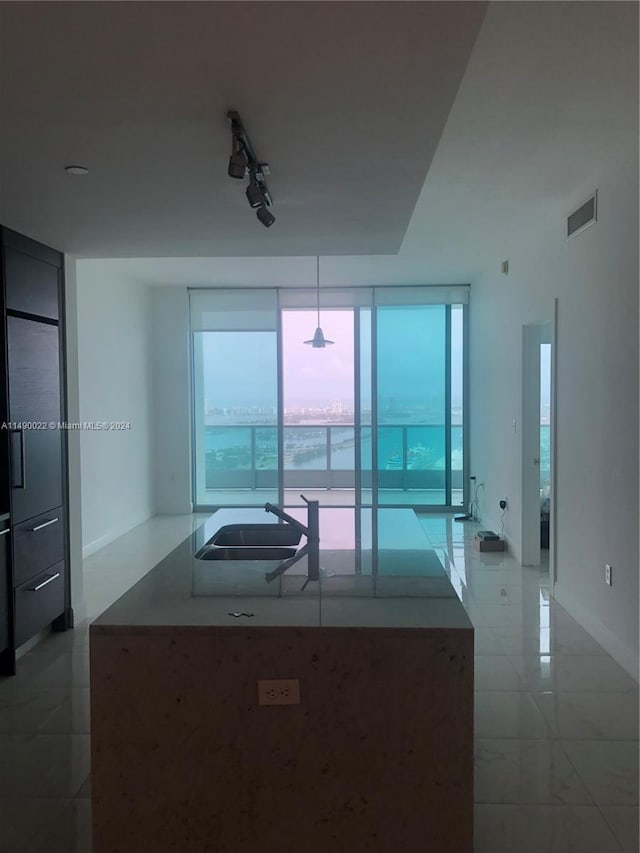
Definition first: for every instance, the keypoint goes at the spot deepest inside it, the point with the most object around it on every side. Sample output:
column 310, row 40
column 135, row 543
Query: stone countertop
column 377, row 571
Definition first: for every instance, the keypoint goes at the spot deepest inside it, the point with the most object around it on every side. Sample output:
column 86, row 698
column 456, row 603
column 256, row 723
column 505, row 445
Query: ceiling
column 547, row 103
column 346, row 101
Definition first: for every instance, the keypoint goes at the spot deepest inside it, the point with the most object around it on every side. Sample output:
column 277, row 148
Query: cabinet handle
column 44, row 583
column 44, row 524
column 5, row 531
column 21, row 484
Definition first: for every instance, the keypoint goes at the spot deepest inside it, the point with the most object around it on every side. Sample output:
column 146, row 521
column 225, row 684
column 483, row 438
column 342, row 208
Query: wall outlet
column 281, row 691
column 503, row 503
column 607, row 574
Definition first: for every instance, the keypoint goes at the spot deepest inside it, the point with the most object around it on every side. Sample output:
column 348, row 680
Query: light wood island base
column 377, row 756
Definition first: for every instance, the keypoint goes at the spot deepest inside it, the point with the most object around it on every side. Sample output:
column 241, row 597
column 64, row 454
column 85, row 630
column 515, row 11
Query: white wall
column 171, row 399
column 114, row 358
column 595, row 278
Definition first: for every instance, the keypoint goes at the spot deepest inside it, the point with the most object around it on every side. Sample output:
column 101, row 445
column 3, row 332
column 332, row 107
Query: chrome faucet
column 311, row 549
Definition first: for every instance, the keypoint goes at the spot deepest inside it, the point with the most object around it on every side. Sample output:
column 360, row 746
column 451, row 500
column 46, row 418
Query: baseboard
column 620, row 652
column 108, row 538
column 96, row 545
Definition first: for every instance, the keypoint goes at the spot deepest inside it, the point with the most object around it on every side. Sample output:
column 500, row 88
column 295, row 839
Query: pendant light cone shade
column 318, row 341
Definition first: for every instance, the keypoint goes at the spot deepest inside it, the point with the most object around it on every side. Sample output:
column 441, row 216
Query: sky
column 241, row 369
column 317, row 376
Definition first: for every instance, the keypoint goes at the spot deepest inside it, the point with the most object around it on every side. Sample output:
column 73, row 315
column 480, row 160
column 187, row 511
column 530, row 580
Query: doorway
column 538, row 509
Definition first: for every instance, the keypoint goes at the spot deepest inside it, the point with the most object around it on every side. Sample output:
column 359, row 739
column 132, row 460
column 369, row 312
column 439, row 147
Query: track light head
column 255, row 192
column 243, row 160
column 265, row 216
column 238, row 160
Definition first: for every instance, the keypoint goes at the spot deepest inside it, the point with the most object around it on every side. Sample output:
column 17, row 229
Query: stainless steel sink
column 274, row 547
column 270, row 535
column 213, row 552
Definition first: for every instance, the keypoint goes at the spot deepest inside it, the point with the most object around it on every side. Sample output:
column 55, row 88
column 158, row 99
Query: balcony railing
column 323, row 456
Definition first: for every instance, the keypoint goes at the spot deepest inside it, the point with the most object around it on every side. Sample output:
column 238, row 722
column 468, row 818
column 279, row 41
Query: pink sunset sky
column 317, row 376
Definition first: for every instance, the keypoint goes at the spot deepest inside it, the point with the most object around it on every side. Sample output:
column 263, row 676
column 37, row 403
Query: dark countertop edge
column 267, row 629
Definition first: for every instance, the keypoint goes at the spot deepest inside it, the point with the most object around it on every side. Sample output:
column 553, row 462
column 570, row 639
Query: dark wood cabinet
column 35, row 590
column 38, row 602
column 37, row 544
column 32, row 284
column 35, row 434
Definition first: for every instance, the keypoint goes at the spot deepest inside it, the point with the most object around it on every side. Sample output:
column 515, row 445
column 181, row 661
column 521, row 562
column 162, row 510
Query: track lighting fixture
column 265, row 216
column 255, row 195
column 238, row 161
column 242, row 161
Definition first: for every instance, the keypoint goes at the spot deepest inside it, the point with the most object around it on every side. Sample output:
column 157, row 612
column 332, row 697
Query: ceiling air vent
column 583, row 217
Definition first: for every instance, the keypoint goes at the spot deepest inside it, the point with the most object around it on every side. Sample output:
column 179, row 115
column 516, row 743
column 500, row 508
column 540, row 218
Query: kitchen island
column 370, row 744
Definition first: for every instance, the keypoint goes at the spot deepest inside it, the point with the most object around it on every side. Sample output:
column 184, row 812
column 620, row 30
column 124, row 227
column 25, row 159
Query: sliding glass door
column 318, row 408
column 410, row 393
column 456, row 404
column 235, row 395
column 374, row 420
column 365, row 411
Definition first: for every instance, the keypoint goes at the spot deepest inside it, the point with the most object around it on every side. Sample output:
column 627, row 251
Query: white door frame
column 530, row 419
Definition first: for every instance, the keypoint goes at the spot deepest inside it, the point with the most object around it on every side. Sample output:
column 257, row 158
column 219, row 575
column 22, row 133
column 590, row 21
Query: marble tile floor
column 556, row 717
column 45, row 790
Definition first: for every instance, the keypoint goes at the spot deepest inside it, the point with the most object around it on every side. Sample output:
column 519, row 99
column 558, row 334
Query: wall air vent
column 583, row 217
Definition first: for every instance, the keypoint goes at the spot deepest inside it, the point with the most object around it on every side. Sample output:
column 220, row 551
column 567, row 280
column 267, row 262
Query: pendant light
column 318, row 341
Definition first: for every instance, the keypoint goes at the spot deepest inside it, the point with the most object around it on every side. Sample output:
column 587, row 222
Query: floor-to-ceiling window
column 374, row 419
column 235, row 397
column 410, row 392
column 456, row 351
column 318, row 406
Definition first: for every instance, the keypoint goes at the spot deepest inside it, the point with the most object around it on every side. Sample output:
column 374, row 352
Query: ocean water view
column 318, row 447
column 250, row 453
